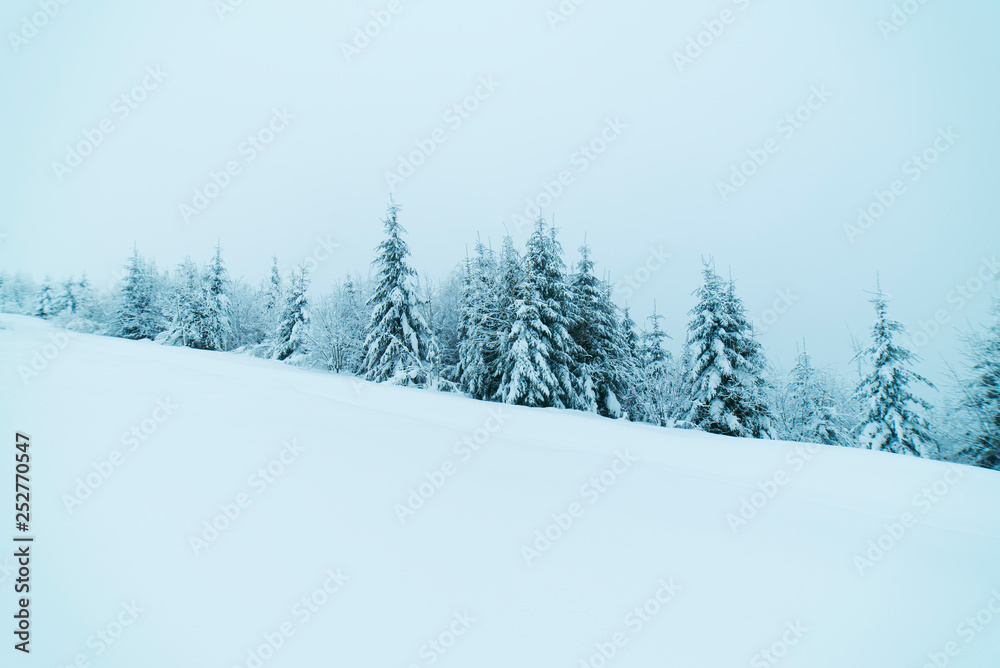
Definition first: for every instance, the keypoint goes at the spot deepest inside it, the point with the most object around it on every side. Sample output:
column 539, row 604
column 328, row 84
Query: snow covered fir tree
column 523, row 325
column 723, row 367
column 398, row 343
column 893, row 418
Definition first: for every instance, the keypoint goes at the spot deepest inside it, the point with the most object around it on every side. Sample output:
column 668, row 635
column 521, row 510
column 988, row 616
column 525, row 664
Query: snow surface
column 366, row 445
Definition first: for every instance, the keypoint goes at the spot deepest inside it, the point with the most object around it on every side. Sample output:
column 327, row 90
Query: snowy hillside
column 367, row 525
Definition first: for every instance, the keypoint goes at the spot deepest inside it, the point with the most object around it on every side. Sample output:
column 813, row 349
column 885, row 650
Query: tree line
column 520, row 327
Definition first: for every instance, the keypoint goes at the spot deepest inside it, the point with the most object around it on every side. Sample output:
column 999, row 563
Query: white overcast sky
column 655, row 186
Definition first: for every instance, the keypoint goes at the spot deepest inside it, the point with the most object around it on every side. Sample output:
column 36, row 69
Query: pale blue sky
column 656, row 184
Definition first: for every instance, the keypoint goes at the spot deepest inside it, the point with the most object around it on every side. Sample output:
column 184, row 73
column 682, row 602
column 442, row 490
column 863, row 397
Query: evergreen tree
column 20, row 293
column 751, row 390
column 45, row 304
column 656, row 364
column 217, row 334
column 892, row 420
column 723, row 366
column 398, row 342
column 338, row 327
column 84, row 294
column 353, row 318
column 291, row 337
column 811, row 413
column 634, row 406
column 480, row 325
column 249, row 324
column 188, row 326
column 511, row 274
column 982, row 393
column 595, row 331
column 630, row 337
column 274, row 290
column 68, row 300
column 539, row 361
column 139, row 315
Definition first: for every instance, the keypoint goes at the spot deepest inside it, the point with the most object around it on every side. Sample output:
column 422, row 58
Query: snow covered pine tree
column 291, row 335
column 892, row 418
column 398, row 344
column 723, row 366
column 480, row 325
column 595, row 331
column 982, row 393
column 139, row 315
column 217, row 334
column 539, row 361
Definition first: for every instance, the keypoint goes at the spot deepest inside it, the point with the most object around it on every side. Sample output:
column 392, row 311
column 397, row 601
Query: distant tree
column 291, row 337
column 45, row 303
column 249, row 323
column 338, row 325
column 657, row 376
column 480, row 325
column 68, row 301
column 441, row 307
column 274, row 291
column 189, row 312
column 217, row 329
column 980, row 393
column 635, row 403
column 18, row 293
column 139, row 315
column 892, row 419
column 811, row 407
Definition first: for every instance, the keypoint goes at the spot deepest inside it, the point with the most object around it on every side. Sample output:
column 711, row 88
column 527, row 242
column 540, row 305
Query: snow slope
column 452, row 585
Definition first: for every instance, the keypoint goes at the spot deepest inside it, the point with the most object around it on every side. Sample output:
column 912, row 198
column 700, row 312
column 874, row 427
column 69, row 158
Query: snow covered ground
column 546, row 538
